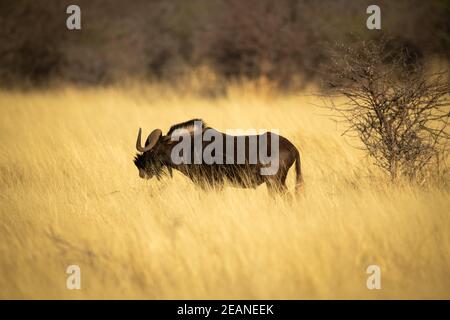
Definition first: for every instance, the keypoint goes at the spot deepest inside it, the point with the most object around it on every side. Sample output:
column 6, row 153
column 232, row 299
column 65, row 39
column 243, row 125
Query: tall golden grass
column 70, row 194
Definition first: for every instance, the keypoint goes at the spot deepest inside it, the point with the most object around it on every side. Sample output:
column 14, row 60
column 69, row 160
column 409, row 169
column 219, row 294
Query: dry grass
column 70, row 194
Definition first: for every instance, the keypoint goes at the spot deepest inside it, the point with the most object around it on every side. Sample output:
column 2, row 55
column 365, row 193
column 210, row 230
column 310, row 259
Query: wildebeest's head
column 155, row 156
column 150, row 162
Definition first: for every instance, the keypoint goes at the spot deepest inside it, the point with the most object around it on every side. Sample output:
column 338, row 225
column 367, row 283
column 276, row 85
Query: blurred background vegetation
column 283, row 41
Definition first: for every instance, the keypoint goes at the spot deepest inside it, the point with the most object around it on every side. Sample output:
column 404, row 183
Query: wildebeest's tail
column 298, row 172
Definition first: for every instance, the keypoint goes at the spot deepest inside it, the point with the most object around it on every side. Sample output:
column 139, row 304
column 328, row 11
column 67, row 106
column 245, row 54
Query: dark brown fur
column 157, row 162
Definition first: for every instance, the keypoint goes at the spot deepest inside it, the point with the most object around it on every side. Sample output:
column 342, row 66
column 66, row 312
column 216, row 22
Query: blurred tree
column 279, row 40
column 31, row 37
column 399, row 112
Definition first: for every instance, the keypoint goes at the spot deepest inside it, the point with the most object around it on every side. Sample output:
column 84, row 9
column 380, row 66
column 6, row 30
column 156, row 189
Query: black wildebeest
column 233, row 164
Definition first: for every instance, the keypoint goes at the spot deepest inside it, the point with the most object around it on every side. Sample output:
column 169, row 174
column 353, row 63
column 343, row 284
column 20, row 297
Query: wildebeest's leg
column 277, row 184
column 283, row 189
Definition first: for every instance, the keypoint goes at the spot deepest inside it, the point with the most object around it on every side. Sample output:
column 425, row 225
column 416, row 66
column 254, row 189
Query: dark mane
column 138, row 158
column 152, row 164
column 185, row 125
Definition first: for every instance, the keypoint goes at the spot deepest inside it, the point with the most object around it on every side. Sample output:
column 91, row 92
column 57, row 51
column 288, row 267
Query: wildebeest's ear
column 153, row 138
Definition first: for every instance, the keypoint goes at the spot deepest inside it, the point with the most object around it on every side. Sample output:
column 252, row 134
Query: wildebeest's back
column 240, row 162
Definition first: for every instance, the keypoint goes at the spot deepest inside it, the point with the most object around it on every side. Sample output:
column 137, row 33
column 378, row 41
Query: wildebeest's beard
column 150, row 165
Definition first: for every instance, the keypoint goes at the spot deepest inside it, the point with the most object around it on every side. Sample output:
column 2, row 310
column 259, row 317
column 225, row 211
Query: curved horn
column 151, row 140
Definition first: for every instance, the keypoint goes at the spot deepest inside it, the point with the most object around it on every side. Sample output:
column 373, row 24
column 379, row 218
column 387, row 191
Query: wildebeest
column 156, row 158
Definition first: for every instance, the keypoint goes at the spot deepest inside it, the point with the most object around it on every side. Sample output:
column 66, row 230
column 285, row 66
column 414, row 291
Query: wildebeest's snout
column 143, row 174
